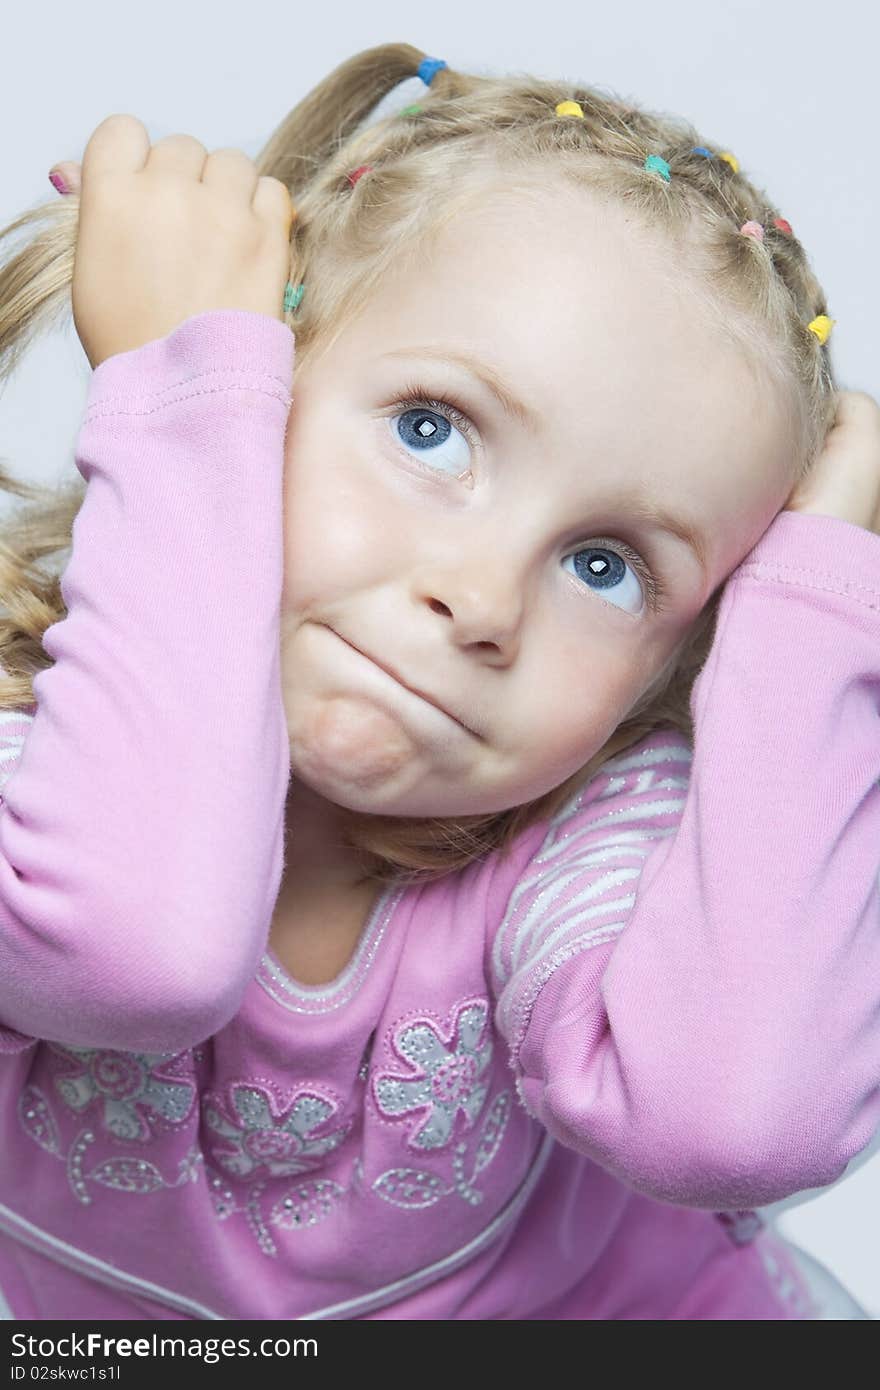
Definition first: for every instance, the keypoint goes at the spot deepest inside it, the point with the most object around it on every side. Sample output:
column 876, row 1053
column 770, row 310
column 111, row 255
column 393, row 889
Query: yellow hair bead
column 822, row 327
column 731, row 160
column 570, row 108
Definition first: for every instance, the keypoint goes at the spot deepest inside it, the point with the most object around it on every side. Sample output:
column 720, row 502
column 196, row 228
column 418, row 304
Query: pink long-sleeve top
column 656, row 1014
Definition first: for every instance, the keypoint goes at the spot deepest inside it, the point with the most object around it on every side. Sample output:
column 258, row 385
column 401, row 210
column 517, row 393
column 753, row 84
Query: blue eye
column 440, row 437
column 606, row 570
column 438, row 433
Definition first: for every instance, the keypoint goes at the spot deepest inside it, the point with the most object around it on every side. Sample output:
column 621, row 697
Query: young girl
column 438, row 854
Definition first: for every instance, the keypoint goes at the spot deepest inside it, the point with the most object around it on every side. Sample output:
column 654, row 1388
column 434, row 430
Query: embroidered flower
column 448, row 1075
column 127, row 1083
column 281, row 1145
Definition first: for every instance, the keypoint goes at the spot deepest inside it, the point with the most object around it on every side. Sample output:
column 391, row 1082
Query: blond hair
column 349, row 236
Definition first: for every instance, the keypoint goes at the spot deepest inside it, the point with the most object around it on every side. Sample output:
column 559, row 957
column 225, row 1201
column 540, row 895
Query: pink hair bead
column 753, row 229
column 356, row 173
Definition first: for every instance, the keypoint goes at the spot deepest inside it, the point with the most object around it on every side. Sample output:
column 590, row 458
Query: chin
column 379, row 795
column 418, row 801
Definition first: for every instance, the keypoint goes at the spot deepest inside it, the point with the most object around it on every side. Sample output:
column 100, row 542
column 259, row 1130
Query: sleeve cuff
column 802, row 544
column 226, row 340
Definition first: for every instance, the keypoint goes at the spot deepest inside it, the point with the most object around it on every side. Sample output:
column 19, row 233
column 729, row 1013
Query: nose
column 484, row 608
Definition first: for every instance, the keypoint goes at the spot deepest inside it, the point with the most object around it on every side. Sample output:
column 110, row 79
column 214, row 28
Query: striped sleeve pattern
column 579, row 889
column 14, row 727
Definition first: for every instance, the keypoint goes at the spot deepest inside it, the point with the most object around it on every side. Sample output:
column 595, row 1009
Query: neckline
column 302, row 998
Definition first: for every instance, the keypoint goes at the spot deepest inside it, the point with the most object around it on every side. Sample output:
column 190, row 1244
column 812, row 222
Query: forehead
column 561, row 289
column 563, row 293
column 582, row 314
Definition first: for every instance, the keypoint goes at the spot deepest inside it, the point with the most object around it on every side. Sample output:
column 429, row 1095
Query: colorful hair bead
column 753, row 229
column 783, row 226
column 701, row 149
column 358, row 173
column 658, row 166
column 293, row 297
column 822, row 327
column 570, row 108
column 731, row 159
column 428, row 67
column 413, row 110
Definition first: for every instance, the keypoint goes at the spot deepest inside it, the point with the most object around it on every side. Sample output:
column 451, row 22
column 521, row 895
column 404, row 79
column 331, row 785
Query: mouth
column 414, row 690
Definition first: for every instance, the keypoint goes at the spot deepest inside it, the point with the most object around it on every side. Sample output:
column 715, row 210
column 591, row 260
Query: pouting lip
column 389, row 671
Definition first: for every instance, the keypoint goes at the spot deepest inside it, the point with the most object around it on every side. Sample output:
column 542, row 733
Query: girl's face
column 490, row 542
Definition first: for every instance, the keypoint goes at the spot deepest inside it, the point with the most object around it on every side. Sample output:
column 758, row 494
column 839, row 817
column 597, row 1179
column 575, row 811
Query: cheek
column 586, row 688
column 339, row 531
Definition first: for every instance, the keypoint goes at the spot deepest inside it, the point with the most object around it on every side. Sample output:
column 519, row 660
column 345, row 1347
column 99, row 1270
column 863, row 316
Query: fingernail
column 58, row 183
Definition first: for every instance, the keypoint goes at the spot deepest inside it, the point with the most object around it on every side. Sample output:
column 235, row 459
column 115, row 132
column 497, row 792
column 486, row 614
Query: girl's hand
column 168, row 231
column 845, row 480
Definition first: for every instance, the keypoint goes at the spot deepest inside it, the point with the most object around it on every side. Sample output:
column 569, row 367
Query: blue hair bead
column 701, row 149
column 428, row 67
column 658, row 166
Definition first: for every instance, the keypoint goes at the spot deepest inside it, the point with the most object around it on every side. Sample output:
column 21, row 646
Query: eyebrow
column 509, row 403
column 646, row 511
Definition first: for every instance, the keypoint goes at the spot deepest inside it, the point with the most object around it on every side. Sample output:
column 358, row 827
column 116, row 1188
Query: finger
column 230, row 168
column 65, row 176
column 181, row 155
column 273, row 201
column 119, row 143
column 857, row 408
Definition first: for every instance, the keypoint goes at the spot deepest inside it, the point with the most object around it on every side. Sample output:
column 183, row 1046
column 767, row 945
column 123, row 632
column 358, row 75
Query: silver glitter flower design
column 259, row 1139
column 126, row 1084
column 448, row 1075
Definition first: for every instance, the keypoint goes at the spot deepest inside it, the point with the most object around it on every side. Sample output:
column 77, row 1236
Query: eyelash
column 416, row 397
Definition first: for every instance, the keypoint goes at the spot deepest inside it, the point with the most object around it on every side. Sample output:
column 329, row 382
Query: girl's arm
column 687, row 971
column 141, row 826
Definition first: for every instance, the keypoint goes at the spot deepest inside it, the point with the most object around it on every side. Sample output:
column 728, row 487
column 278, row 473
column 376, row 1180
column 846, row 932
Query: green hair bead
column 293, row 297
column 658, row 166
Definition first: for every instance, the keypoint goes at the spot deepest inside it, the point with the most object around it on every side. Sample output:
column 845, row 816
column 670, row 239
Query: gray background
column 790, row 88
